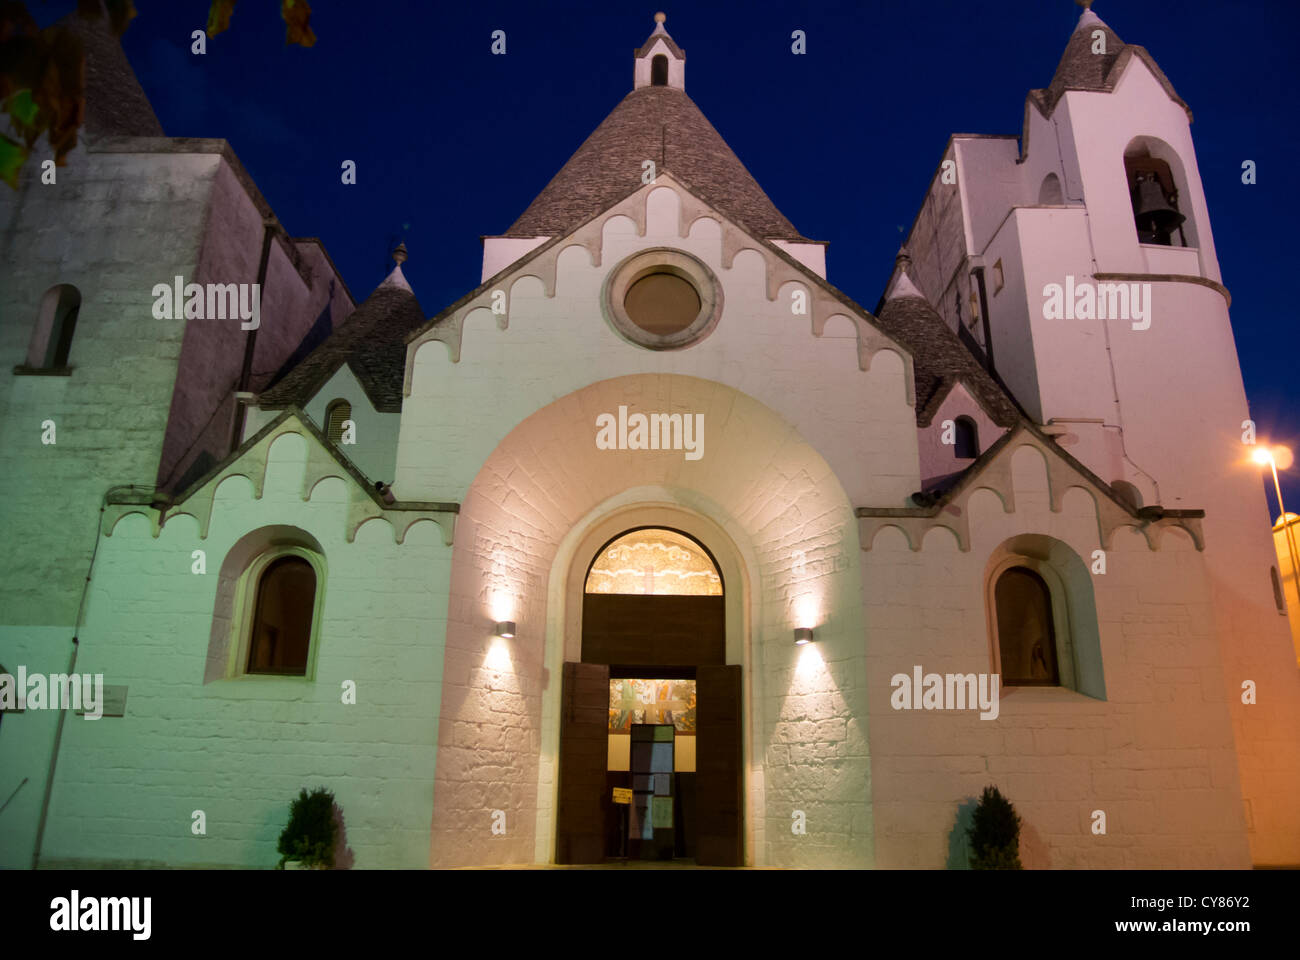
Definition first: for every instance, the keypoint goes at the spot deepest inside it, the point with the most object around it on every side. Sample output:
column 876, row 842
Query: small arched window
column 280, row 637
column 55, row 324
column 659, row 71
column 1279, row 597
column 336, row 414
column 1026, row 632
column 966, row 439
column 1050, row 192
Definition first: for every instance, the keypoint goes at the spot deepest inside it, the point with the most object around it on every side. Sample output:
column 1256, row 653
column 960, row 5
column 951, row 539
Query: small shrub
column 994, row 833
column 311, row 832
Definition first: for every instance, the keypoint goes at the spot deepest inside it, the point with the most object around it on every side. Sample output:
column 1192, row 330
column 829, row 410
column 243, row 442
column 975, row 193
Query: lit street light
column 1271, row 456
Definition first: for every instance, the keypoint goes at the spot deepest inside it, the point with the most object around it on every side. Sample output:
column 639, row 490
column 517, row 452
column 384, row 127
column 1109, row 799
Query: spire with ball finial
column 399, row 254
column 660, row 62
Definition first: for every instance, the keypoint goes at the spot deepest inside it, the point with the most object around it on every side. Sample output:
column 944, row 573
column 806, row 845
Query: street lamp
column 1264, row 455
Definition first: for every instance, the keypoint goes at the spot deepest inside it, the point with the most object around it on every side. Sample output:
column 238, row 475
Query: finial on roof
column 400, row 254
column 645, row 73
column 901, row 285
column 1087, row 18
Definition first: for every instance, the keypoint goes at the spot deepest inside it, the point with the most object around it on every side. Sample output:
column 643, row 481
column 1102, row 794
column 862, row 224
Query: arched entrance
column 650, row 733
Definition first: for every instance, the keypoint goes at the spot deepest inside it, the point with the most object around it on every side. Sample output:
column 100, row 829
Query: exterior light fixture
column 802, row 635
column 506, row 628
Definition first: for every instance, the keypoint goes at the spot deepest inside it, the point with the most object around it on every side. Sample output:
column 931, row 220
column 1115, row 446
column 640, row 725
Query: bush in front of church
column 310, row 835
column 994, row 833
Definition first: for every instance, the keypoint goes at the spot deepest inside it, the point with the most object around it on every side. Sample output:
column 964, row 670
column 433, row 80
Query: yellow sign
column 622, row 794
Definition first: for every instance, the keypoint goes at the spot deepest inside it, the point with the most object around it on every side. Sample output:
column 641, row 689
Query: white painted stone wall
column 1156, row 755
column 240, row 749
column 861, row 422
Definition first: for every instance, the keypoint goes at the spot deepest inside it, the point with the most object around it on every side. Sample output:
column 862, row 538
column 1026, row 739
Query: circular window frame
column 676, row 263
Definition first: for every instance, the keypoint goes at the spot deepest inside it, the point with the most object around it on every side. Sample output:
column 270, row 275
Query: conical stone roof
column 661, row 124
column 1082, row 69
column 372, row 342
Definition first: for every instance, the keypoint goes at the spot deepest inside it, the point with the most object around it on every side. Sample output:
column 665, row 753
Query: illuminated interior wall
column 652, row 701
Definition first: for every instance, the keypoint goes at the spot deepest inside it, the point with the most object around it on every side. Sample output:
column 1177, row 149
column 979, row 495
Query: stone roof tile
column 372, row 342
column 661, row 124
column 940, row 361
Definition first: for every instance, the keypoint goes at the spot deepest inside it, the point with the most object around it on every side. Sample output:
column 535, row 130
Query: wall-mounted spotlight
column 803, row 635
column 506, row 628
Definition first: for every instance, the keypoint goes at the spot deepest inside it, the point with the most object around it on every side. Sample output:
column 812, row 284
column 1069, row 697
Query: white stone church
column 653, row 512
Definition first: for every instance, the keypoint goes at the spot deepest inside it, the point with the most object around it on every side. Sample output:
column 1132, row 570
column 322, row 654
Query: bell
column 1155, row 215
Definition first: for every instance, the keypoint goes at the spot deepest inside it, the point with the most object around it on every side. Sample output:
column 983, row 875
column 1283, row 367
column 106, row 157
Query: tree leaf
column 296, row 14
column 22, row 109
column 12, row 156
column 219, row 16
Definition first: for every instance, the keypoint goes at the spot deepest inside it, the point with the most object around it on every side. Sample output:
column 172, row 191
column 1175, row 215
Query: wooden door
column 584, row 755
column 718, row 797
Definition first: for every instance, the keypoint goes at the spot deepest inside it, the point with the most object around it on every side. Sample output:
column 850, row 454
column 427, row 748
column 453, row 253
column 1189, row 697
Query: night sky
column 452, row 142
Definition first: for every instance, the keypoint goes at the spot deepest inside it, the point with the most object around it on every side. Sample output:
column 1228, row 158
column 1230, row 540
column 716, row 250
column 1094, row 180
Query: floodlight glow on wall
column 803, row 635
column 506, row 629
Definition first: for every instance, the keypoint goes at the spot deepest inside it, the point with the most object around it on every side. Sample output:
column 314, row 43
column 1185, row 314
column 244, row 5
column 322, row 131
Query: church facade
column 654, row 543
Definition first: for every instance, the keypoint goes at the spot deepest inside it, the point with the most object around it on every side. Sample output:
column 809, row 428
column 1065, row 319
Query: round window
column 662, row 299
column 662, row 304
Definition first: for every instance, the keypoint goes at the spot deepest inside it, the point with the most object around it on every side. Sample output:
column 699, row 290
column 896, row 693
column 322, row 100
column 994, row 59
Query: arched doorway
column 650, row 738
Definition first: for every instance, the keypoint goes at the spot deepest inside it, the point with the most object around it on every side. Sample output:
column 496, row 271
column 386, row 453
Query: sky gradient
column 452, row 142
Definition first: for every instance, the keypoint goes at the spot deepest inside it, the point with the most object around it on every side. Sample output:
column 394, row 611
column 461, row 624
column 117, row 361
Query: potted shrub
column 307, row 843
column 994, row 833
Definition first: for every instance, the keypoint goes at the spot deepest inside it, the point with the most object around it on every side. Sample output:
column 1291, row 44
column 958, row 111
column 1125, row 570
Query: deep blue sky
column 452, row 143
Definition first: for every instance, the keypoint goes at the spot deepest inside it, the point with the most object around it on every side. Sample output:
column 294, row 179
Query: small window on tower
column 336, row 414
column 51, row 341
column 659, row 71
column 1050, row 192
column 999, row 281
column 966, row 439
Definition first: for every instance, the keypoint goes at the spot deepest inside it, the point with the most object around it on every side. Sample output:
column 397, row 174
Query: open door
column 718, row 795
column 584, row 754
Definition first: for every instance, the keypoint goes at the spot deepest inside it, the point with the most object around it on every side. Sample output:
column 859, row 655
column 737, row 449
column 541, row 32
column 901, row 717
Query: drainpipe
column 984, row 314
column 72, row 665
column 250, row 340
